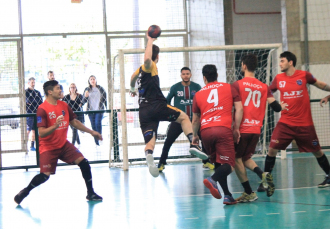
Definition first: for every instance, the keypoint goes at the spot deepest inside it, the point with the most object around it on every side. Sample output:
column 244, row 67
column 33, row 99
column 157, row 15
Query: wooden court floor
column 176, row 199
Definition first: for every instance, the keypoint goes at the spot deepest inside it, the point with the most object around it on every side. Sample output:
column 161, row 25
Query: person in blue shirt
column 33, row 100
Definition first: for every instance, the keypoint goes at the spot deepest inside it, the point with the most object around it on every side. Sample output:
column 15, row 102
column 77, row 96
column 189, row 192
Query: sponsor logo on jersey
column 141, row 90
column 293, row 94
column 186, row 101
column 252, row 85
column 225, row 158
column 214, row 109
column 315, row 142
column 63, row 112
column 299, row 82
column 39, row 119
column 212, row 119
column 275, row 141
column 193, row 93
column 281, row 84
column 247, row 121
column 211, row 86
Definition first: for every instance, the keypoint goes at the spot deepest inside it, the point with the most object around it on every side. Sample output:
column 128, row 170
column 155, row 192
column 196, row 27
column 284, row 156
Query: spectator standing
column 96, row 99
column 33, row 100
column 74, row 100
column 51, row 76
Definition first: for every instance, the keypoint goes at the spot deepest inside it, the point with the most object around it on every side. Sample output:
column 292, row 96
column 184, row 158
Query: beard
column 284, row 69
column 186, row 81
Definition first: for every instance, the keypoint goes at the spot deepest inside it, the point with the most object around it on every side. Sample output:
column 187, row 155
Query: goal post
column 229, row 53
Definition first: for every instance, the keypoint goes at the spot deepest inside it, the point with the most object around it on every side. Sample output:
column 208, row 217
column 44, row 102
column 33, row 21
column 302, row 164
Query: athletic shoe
column 229, row 200
column 93, row 197
column 32, row 149
column 161, row 167
column 325, row 183
column 21, row 195
column 151, row 165
column 213, row 187
column 268, row 184
column 244, row 198
column 261, row 188
column 208, row 165
column 197, row 151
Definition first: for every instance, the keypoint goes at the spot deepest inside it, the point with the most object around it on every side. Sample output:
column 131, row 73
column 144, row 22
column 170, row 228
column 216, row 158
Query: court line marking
column 245, row 215
column 273, row 213
column 222, row 216
column 192, row 218
column 323, row 210
column 299, row 212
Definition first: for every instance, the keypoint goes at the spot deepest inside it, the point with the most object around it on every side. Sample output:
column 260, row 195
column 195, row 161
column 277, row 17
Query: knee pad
column 148, row 135
column 84, row 164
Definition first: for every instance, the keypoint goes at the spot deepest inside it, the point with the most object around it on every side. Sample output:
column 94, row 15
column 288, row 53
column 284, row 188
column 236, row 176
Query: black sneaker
column 94, row 197
column 21, row 195
column 325, row 183
column 198, row 152
column 261, row 188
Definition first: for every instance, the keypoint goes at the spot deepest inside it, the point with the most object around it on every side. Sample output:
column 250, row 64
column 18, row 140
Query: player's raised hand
column 59, row 120
column 195, row 140
column 237, row 135
column 324, row 100
column 97, row 135
column 284, row 106
column 150, row 38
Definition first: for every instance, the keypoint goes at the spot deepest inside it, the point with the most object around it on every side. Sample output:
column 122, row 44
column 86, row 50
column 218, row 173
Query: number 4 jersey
column 215, row 102
column 254, row 96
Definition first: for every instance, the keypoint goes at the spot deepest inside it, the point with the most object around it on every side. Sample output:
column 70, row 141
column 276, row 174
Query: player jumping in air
column 212, row 114
column 295, row 123
column 254, row 96
column 153, row 106
column 183, row 93
column 53, row 119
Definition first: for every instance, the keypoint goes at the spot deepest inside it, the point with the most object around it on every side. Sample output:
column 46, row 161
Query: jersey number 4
column 213, row 97
column 254, row 95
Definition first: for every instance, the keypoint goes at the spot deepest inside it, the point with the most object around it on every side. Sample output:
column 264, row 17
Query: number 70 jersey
column 214, row 103
column 254, row 96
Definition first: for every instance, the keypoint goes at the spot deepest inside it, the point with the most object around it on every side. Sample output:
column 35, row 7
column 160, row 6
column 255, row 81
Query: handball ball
column 154, row 31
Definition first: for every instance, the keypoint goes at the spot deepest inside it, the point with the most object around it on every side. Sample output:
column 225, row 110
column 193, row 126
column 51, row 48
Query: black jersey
column 148, row 85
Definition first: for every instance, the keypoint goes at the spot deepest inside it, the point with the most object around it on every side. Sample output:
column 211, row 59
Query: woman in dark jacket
column 74, row 100
column 96, row 99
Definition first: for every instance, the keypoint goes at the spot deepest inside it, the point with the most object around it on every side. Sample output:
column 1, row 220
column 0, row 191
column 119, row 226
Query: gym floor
column 176, row 199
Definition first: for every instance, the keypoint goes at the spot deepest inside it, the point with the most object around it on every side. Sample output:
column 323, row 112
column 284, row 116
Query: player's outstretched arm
column 277, row 107
column 324, row 100
column 196, row 122
column 238, row 119
column 78, row 125
column 148, row 52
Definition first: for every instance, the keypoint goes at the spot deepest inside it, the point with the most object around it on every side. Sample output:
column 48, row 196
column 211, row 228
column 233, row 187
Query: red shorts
column 48, row 159
column 246, row 146
column 305, row 137
column 219, row 144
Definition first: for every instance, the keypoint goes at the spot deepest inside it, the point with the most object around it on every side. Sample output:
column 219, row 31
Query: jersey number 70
column 254, row 95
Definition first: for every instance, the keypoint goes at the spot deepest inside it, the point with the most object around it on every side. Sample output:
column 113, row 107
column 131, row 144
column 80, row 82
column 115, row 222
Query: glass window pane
column 135, row 15
column 73, row 60
column 8, row 17
column 61, row 16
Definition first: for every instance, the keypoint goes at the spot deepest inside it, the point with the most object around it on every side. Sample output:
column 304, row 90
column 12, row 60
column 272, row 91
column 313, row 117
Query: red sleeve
column 71, row 114
column 235, row 93
column 310, row 78
column 41, row 118
column 273, row 85
column 236, row 86
column 195, row 107
column 269, row 92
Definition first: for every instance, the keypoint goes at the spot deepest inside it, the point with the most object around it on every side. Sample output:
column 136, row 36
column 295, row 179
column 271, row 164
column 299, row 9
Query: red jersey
column 254, row 96
column 46, row 117
column 215, row 102
column 294, row 92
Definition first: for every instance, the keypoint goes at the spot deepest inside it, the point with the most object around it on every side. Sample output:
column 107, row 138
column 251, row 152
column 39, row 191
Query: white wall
column 257, row 28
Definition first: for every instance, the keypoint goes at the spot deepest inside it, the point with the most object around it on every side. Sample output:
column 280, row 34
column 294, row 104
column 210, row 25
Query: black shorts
column 30, row 123
column 151, row 114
